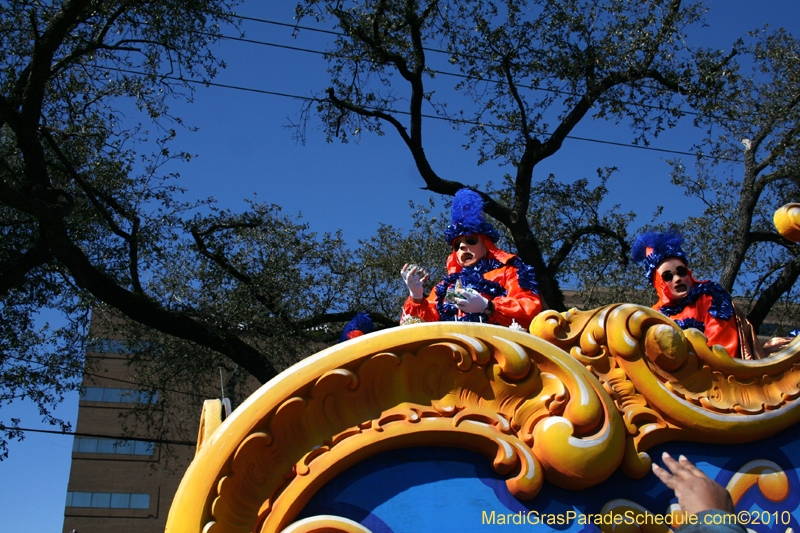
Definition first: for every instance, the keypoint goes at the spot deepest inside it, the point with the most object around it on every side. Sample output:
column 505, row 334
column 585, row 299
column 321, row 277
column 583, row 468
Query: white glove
column 471, row 302
column 415, row 277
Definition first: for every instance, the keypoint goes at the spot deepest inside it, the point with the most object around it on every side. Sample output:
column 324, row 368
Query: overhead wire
column 451, row 74
column 423, row 115
column 100, row 435
column 298, row 27
column 425, row 48
column 444, row 73
column 439, row 72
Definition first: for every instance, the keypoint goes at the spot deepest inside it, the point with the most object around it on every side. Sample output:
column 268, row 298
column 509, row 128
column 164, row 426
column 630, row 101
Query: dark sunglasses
column 469, row 241
column 681, row 272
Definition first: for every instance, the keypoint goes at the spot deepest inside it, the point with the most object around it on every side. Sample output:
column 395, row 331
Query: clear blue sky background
column 243, row 148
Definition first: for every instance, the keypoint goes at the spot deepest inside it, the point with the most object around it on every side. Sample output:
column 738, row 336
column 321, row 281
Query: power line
column 445, row 73
column 464, row 76
column 319, row 30
column 274, row 45
column 101, row 436
column 294, row 26
column 441, row 72
column 423, row 115
column 163, row 389
column 427, row 49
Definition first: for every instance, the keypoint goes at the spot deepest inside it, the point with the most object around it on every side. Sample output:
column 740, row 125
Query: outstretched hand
column 414, row 277
column 695, row 491
column 471, row 302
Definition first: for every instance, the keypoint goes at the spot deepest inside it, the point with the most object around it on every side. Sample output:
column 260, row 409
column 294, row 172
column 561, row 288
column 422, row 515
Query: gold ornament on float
column 585, row 393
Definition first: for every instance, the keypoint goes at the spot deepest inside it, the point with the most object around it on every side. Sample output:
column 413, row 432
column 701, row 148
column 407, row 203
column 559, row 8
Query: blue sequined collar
column 482, row 267
column 721, row 305
column 472, row 277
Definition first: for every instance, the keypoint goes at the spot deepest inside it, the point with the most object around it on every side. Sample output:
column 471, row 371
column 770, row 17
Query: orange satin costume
column 506, row 280
column 707, row 307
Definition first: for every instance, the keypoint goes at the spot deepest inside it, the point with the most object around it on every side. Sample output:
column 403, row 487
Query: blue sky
column 243, row 148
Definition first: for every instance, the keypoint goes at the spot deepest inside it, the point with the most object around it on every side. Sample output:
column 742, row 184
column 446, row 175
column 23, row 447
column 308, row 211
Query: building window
column 108, row 500
column 112, row 446
column 140, row 501
column 101, row 500
column 120, row 501
column 79, row 499
column 106, row 394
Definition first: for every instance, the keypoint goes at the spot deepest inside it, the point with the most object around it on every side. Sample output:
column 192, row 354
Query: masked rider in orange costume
column 703, row 305
column 495, row 287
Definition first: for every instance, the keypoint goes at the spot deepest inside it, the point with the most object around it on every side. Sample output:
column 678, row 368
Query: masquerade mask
column 681, row 272
column 469, row 241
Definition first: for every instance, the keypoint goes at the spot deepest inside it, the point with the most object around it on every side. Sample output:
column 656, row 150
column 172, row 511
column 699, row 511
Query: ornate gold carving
column 210, row 419
column 770, row 478
column 588, row 392
column 787, row 221
column 529, row 406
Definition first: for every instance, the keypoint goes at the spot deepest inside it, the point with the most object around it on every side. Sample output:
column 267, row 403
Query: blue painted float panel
column 438, row 490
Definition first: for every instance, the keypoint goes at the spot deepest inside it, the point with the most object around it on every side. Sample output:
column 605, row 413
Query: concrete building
column 120, row 485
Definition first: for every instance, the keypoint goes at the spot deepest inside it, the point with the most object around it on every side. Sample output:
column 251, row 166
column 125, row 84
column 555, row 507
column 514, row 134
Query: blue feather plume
column 467, row 208
column 467, row 218
column 360, row 325
column 664, row 245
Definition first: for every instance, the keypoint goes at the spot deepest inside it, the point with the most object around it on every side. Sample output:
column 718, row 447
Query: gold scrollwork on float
column 535, row 411
column 768, row 476
column 669, row 385
column 326, row 524
column 588, row 392
column 585, row 393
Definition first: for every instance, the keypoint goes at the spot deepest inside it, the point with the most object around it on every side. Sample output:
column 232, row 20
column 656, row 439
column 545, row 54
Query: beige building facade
column 119, row 484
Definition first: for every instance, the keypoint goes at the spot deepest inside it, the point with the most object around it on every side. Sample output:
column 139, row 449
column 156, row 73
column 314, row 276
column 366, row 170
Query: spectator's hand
column 695, row 491
column 471, row 302
column 414, row 277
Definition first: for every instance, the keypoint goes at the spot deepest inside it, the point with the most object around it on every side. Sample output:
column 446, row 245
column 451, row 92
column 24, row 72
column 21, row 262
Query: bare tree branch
column 574, row 238
column 768, row 298
column 14, row 269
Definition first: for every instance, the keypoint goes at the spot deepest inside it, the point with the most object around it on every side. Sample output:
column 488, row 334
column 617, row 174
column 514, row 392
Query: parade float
column 463, row 427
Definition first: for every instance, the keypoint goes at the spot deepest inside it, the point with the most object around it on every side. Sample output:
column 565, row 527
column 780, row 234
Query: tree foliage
column 77, row 224
column 754, row 126
column 530, row 71
column 298, row 292
column 89, row 220
column 39, row 363
column 377, row 284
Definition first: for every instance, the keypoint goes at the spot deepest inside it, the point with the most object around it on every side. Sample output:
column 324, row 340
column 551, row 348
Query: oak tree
column 89, row 218
column 753, row 139
column 529, row 72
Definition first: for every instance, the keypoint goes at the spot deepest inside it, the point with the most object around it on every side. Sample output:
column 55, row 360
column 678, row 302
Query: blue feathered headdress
column 467, row 218
column 360, row 325
column 652, row 248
